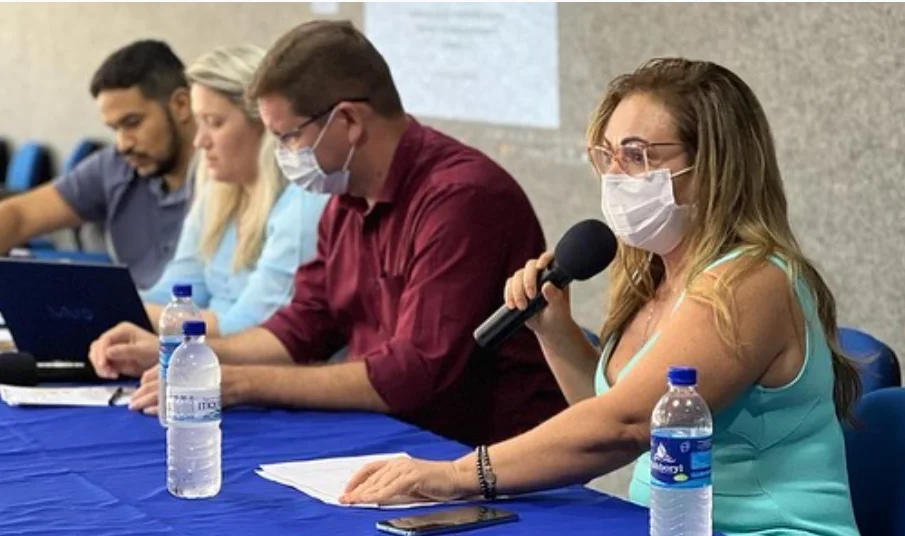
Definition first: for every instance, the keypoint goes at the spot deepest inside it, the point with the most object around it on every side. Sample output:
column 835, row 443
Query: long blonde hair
column 229, row 71
column 740, row 202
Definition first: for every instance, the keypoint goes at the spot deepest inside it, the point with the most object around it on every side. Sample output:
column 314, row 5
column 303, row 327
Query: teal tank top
column 778, row 453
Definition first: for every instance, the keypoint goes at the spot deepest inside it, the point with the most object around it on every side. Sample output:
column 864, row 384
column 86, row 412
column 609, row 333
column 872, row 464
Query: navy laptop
column 55, row 310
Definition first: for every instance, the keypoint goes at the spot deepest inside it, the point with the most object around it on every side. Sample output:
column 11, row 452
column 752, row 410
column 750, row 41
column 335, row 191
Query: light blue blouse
column 246, row 298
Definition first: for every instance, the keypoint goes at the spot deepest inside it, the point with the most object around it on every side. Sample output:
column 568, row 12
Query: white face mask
column 302, row 169
column 642, row 211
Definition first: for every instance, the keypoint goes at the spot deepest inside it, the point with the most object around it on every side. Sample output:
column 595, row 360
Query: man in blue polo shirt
column 138, row 189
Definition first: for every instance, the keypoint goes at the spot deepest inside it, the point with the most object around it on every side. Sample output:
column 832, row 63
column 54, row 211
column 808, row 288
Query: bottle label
column 166, row 352
column 680, row 462
column 186, row 405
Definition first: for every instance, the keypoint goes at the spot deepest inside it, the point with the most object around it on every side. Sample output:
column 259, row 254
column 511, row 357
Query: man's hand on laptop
column 124, row 350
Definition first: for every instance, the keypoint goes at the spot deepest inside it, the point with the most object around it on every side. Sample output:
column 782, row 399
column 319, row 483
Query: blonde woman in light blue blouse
column 248, row 228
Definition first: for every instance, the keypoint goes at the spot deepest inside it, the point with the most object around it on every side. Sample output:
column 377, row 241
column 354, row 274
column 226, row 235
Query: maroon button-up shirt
column 406, row 283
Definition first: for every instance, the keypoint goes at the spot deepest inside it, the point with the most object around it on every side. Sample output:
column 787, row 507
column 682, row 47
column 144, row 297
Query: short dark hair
column 320, row 63
column 148, row 64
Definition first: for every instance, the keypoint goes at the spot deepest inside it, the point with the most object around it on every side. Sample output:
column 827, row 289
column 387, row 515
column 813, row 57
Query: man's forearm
column 34, row 213
column 254, row 346
column 342, row 386
column 10, row 227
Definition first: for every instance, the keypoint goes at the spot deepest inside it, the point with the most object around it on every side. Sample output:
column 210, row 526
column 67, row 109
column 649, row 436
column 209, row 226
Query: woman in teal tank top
column 708, row 274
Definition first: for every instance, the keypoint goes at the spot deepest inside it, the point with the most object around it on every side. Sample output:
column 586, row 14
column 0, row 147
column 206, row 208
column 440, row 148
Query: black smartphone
column 446, row 521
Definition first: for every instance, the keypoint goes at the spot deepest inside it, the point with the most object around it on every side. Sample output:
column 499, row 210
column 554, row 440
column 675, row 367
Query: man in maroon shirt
column 413, row 252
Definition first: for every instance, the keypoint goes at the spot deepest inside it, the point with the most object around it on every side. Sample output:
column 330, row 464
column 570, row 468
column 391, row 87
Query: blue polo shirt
column 142, row 220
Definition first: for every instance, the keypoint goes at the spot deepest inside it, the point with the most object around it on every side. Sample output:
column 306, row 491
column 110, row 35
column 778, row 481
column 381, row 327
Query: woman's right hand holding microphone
column 553, row 319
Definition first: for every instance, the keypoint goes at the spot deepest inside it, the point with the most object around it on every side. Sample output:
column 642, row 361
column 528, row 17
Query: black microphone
column 20, row 368
column 583, row 252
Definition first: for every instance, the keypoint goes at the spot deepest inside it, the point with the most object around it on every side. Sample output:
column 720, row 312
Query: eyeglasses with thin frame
column 288, row 139
column 634, row 157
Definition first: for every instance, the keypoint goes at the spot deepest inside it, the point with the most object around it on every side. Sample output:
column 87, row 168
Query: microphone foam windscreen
column 586, row 249
column 17, row 368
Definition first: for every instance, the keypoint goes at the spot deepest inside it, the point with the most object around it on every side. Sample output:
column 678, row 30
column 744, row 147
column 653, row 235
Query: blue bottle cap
column 682, row 376
column 182, row 290
column 194, row 328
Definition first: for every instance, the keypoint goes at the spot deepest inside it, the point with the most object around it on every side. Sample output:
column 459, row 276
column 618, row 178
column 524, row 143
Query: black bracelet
column 479, row 466
column 486, row 476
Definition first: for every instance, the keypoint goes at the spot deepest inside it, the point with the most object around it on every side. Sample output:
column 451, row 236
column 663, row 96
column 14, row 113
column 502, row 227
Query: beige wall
column 48, row 53
column 829, row 75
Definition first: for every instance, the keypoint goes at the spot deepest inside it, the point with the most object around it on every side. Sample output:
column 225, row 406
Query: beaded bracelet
column 486, row 476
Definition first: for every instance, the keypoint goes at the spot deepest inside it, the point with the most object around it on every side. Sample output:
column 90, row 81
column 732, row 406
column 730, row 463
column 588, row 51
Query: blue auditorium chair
column 4, row 160
column 879, row 366
column 82, row 150
column 30, row 166
column 876, row 467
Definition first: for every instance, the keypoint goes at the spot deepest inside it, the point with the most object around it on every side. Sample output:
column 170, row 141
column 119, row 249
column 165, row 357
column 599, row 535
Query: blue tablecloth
column 101, row 471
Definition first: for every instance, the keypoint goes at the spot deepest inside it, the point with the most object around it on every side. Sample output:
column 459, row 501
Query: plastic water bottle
column 681, row 498
column 172, row 317
column 193, row 406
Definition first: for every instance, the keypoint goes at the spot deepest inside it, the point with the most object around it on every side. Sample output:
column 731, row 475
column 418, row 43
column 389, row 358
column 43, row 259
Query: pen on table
column 115, row 396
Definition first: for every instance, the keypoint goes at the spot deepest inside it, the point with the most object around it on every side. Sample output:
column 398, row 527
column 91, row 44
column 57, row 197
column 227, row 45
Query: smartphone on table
column 446, row 521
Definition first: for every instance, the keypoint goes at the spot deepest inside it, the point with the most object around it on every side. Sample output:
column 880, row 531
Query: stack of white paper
column 326, row 479
column 66, row 396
